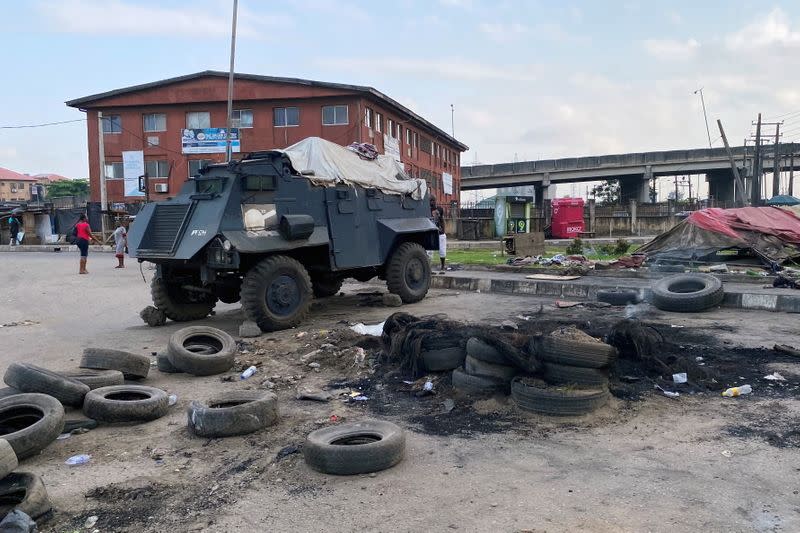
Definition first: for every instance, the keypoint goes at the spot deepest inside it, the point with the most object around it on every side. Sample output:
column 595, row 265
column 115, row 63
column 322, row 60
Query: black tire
column 575, row 375
column 556, row 401
column 30, row 421
column 73, row 421
column 618, row 296
column 164, row 364
column 477, row 385
column 177, row 305
column 233, row 413
column 95, row 379
column 356, row 448
column 570, row 352
column 482, row 351
column 476, row 367
column 8, row 391
column 276, row 293
column 8, row 459
column 24, row 492
column 31, row 378
column 442, row 359
column 132, row 366
column 687, row 293
column 186, row 353
column 325, row 286
column 408, row 272
column 126, row 403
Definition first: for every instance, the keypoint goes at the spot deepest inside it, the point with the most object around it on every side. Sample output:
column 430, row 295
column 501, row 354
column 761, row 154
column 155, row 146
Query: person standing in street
column 83, row 234
column 437, row 216
column 13, row 223
column 120, row 243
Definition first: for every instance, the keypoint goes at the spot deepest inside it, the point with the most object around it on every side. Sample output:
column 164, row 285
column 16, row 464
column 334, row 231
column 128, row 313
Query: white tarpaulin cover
column 332, row 164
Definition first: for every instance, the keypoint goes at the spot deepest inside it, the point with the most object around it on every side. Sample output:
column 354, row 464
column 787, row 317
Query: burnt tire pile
column 485, row 370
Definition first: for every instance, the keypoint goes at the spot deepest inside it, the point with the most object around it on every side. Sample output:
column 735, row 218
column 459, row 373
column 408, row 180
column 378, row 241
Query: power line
column 41, row 125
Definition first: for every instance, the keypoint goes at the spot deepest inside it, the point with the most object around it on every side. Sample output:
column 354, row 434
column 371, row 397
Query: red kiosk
column 567, row 220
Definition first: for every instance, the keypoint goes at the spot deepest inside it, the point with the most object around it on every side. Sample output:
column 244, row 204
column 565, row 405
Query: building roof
column 10, row 175
column 87, row 101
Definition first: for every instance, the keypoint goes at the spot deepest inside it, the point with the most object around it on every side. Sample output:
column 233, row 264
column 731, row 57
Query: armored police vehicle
column 271, row 235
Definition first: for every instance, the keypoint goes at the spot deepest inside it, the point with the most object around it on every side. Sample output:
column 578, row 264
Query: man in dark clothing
column 13, row 223
column 437, row 216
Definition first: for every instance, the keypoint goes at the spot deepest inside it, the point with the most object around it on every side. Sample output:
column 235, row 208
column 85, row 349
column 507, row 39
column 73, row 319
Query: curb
column 52, row 248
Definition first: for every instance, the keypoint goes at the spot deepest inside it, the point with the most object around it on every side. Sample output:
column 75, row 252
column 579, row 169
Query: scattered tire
column 443, row 358
column 95, row 379
column 164, row 365
column 325, row 286
column 276, row 293
column 8, row 459
column 132, row 366
column 477, row 385
column 8, row 391
column 357, row 448
column 537, row 397
column 126, row 403
column 31, row 378
column 483, row 351
column 30, row 421
column 24, row 492
column 233, row 413
column 687, row 293
column 575, row 375
column 201, row 350
column 73, row 421
column 618, row 296
column 570, row 352
column 178, row 304
column 408, row 272
column 476, row 367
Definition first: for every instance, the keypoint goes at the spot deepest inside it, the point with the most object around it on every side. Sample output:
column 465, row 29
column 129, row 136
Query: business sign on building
column 391, row 146
column 132, row 168
column 447, row 183
column 208, row 140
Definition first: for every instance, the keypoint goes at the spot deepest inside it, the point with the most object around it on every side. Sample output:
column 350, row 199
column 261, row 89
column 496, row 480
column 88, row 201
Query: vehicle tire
column 276, row 293
column 618, row 296
column 687, row 293
column 233, row 413
column 177, row 305
column 30, row 421
column 575, row 353
column 164, row 365
column 482, row 351
column 24, row 492
column 8, row 459
column 31, row 378
column 73, row 421
column 556, row 401
column 186, row 353
column 477, row 385
column 95, row 379
column 8, row 391
column 476, row 367
column 556, row 374
column 442, row 359
column 356, row 448
column 126, row 403
column 326, row 286
column 408, row 272
column 132, row 366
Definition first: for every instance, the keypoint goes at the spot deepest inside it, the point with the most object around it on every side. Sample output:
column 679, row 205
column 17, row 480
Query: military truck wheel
column 326, row 286
column 408, row 273
column 179, row 305
column 276, row 293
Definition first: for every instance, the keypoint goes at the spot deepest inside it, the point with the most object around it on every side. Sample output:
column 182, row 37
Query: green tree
column 68, row 188
column 607, row 192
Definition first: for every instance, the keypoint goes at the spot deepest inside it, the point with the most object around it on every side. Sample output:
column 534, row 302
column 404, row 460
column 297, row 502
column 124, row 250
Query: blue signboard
column 208, row 141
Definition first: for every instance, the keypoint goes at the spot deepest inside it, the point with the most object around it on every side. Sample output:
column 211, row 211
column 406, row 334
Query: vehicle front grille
column 165, row 227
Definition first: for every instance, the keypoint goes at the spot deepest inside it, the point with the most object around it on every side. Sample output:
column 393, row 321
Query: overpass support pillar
column 720, row 187
column 543, row 191
column 636, row 187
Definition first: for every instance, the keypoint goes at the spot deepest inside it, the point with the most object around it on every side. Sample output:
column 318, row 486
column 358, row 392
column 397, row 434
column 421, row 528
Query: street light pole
column 228, row 151
column 703, row 102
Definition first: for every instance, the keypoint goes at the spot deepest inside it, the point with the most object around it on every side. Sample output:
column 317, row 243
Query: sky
column 527, row 79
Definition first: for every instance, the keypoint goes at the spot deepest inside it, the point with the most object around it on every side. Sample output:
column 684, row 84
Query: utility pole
column 756, row 195
column 738, row 179
column 228, row 150
column 776, row 171
column 452, row 121
column 103, row 193
column 703, row 102
column 791, row 174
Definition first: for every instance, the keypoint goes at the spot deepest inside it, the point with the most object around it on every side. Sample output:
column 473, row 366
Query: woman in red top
column 83, row 237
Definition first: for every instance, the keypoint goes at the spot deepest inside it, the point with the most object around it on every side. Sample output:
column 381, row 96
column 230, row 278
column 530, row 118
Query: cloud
column 671, row 49
column 502, row 33
column 771, row 30
column 456, row 69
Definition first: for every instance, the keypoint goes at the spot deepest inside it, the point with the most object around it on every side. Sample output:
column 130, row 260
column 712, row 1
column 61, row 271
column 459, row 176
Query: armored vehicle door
column 354, row 234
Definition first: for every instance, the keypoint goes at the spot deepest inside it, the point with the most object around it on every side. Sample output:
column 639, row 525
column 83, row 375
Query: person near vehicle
column 120, row 243
column 13, row 223
column 437, row 216
column 83, row 236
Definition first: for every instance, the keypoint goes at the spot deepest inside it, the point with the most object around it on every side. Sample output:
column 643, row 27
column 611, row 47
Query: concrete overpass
column 634, row 170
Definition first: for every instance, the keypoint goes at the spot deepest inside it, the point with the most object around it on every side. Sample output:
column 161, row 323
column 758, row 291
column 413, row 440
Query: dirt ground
column 700, row 462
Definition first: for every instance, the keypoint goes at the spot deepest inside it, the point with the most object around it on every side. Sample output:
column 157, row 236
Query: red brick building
column 269, row 112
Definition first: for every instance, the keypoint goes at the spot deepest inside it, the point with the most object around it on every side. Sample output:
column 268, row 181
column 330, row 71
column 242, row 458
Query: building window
column 425, row 145
column 155, row 122
column 112, row 124
column 114, row 171
column 198, row 120
column 408, row 136
column 195, row 165
column 157, row 169
column 390, row 127
column 378, row 122
column 334, row 115
column 242, row 118
column 399, row 135
column 286, row 116
column 368, row 117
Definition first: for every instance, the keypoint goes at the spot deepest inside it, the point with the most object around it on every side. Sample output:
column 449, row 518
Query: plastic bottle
column 81, row 459
column 248, row 373
column 738, row 391
column 173, row 399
